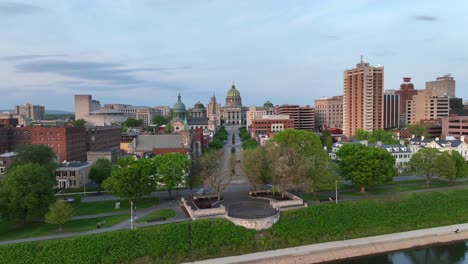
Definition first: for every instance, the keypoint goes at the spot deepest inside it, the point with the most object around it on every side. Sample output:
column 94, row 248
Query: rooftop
column 74, row 164
column 7, row 155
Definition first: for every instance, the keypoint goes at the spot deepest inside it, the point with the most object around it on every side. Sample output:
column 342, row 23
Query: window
column 64, row 173
column 72, row 173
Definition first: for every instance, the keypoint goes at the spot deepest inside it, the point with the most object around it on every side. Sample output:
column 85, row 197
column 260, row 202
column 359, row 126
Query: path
column 139, row 213
column 339, row 250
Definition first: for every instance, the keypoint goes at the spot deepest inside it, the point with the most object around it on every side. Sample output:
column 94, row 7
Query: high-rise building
column 426, row 106
column 33, row 112
column 144, row 113
column 303, row 116
column 363, row 89
column 329, row 112
column 442, row 86
column 391, row 110
column 84, row 104
column 406, row 93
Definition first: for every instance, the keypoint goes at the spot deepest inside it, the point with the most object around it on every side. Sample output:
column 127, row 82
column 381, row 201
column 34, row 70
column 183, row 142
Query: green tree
column 26, row 191
column 132, row 122
column 168, row 129
column 327, row 140
column 250, row 144
column 160, row 120
column 132, row 179
column 215, row 144
column 366, row 165
column 79, row 122
column 416, row 129
column 301, row 160
column 257, row 166
column 386, row 137
column 172, row 169
column 100, row 171
column 37, row 154
column 460, row 164
column 194, row 176
column 59, row 213
column 447, row 169
column 426, row 162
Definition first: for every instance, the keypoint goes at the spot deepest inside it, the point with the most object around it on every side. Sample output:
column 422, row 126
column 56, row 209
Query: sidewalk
column 339, row 250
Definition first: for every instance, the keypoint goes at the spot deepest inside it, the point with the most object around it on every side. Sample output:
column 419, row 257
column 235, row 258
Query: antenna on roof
column 361, row 58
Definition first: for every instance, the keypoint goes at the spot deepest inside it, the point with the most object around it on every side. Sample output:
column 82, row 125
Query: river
column 456, row 253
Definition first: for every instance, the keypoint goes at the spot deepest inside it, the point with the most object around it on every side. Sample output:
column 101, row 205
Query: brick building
column 103, row 137
column 406, row 93
column 8, row 122
column 329, row 112
column 456, row 126
column 268, row 125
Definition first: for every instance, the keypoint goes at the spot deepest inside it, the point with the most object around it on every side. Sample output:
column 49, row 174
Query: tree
column 447, row 168
column 386, row 137
column 59, row 213
column 250, row 144
column 36, row 154
column 160, row 120
column 416, row 129
column 168, row 129
column 132, row 122
column 257, row 166
column 26, row 191
column 300, row 161
column 172, row 168
column 460, row 164
column 215, row 176
column 100, row 171
column 194, row 176
column 215, row 144
column 327, row 140
column 426, row 162
column 132, row 179
column 366, row 165
column 79, row 122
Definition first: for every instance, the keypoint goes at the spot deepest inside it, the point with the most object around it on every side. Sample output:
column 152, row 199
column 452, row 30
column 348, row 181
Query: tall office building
column 363, row 89
column 426, row 106
column 33, row 112
column 442, row 86
column 303, row 116
column 329, row 112
column 391, row 109
column 84, row 104
column 406, row 93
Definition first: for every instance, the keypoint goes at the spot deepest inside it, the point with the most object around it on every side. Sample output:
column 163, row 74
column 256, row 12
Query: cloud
column 111, row 75
column 425, row 18
column 30, row 57
column 10, row 8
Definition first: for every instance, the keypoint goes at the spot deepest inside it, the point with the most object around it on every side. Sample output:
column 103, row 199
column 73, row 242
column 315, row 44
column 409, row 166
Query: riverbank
column 345, row 249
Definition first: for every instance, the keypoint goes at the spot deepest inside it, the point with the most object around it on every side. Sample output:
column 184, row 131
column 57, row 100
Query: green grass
column 164, row 213
column 313, row 197
column 35, row 229
column 372, row 190
column 109, row 206
column 202, row 239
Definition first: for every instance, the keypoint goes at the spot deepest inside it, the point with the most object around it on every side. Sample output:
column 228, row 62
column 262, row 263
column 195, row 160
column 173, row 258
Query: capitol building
column 233, row 112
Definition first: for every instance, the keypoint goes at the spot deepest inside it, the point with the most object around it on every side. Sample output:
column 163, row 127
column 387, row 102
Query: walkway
column 338, row 250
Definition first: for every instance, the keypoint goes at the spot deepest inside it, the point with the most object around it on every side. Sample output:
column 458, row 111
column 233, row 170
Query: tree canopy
column 417, row 129
column 79, row 122
column 100, row 171
column 426, row 162
column 37, row 154
column 59, row 213
column 460, row 164
column 160, row 120
column 366, row 165
column 26, row 191
column 212, row 169
column 132, row 122
column 327, row 140
column 387, row 137
column 172, row 169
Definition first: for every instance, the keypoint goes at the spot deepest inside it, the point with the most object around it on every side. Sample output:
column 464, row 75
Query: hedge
column 189, row 241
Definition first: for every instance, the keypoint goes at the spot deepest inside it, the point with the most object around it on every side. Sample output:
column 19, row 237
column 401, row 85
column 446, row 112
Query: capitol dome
column 268, row 104
column 233, row 92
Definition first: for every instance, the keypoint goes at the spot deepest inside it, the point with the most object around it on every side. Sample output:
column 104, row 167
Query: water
column 444, row 254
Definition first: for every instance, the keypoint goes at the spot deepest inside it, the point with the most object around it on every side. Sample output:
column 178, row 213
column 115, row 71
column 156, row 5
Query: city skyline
column 146, row 52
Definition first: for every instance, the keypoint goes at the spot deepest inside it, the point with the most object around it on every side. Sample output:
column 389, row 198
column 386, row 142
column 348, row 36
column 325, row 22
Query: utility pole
column 131, row 214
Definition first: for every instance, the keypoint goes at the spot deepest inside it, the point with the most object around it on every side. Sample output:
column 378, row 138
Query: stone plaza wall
column 257, row 224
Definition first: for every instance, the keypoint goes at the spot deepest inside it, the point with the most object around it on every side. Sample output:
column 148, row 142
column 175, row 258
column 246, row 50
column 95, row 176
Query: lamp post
column 336, row 191
column 131, row 214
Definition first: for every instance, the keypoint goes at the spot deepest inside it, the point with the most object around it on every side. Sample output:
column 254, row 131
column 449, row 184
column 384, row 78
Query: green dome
column 179, row 106
column 199, row 105
column 268, row 104
column 233, row 92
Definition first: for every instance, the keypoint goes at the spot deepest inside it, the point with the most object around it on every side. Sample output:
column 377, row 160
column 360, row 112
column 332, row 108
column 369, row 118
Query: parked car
column 68, row 199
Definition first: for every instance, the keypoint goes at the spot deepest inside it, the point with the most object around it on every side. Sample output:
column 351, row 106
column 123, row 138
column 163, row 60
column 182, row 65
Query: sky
column 145, row 52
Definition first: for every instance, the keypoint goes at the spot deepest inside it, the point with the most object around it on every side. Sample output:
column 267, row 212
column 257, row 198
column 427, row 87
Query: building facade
column 233, row 113
column 363, row 89
column 5, row 160
column 144, row 113
column 442, row 86
column 72, row 174
column 198, row 111
column 406, row 93
column 102, row 137
column 424, row 105
column 33, row 112
column 391, row 110
column 84, row 104
column 270, row 124
column 456, row 126
column 303, row 116
column 256, row 112
column 329, row 113
column 214, row 114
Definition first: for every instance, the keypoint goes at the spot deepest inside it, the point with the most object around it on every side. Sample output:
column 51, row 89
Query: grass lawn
column 164, row 213
column 312, row 196
column 35, row 229
column 109, row 206
column 372, row 190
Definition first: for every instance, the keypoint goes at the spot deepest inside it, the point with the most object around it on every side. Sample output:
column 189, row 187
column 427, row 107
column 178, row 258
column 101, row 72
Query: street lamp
column 131, row 214
column 336, row 191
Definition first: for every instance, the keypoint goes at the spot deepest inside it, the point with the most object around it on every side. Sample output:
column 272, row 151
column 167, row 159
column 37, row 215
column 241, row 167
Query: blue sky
column 145, row 52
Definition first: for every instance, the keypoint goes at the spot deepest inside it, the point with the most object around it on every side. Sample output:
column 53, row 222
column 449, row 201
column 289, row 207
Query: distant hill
column 48, row 112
